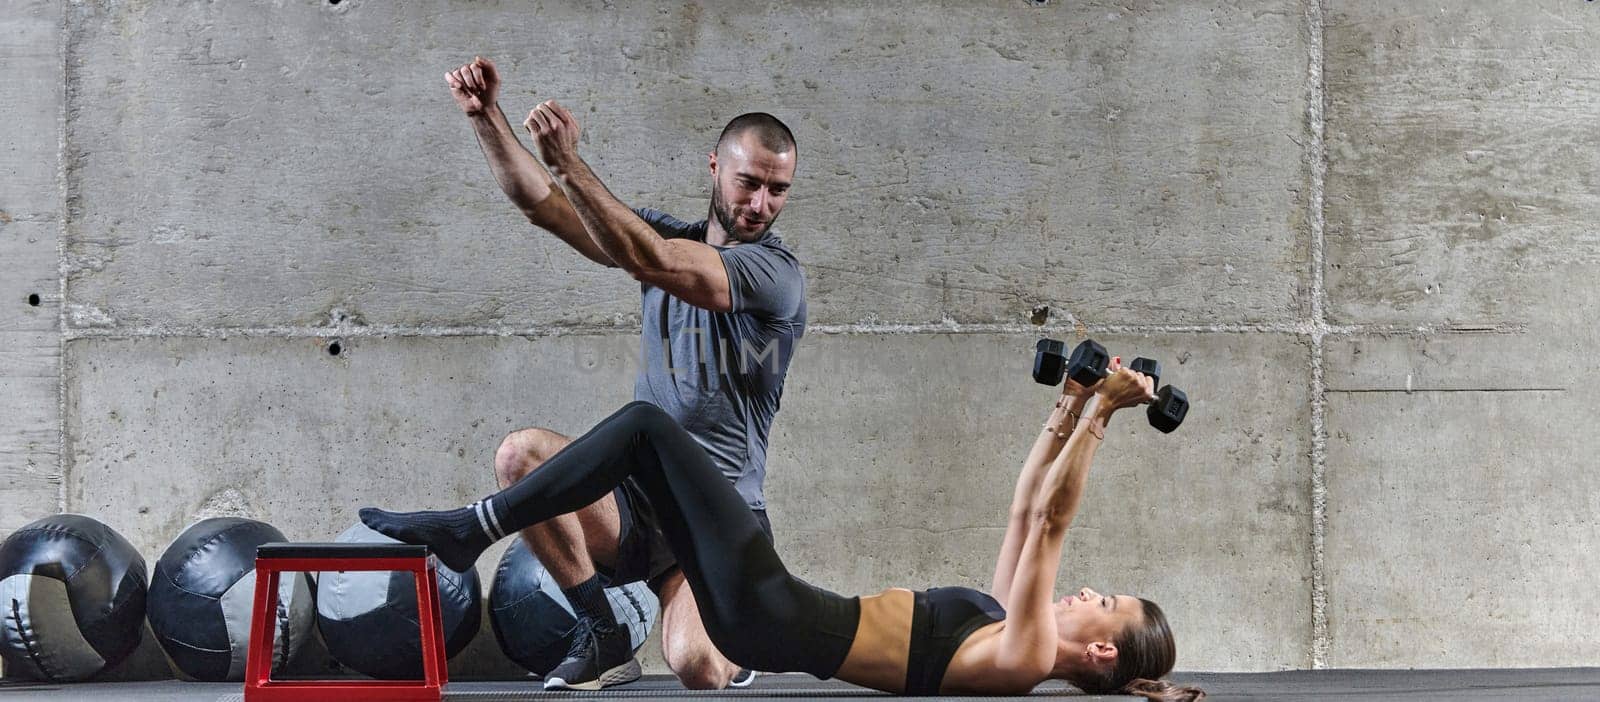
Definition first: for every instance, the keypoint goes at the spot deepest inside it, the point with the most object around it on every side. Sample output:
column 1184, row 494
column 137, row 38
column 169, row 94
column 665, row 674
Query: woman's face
column 1087, row 616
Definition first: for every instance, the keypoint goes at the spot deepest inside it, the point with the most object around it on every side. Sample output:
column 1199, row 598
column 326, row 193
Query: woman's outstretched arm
column 1058, row 427
column 1028, row 641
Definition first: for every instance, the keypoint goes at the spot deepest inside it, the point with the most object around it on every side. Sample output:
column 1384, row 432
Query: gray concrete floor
column 1531, row 685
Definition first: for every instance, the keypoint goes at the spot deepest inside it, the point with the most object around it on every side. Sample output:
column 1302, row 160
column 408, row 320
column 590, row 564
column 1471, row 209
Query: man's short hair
column 773, row 134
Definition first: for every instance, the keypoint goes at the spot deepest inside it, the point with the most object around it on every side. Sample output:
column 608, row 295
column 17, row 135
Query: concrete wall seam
column 61, row 273
column 1316, row 150
column 1306, row 329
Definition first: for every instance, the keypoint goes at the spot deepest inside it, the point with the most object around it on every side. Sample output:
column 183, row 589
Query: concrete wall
column 30, row 238
column 1353, row 231
column 1461, row 201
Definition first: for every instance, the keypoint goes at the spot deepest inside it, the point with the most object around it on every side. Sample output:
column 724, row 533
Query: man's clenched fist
column 555, row 132
column 475, row 86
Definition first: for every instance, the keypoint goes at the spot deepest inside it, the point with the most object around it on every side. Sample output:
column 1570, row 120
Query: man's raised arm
column 689, row 270
column 476, row 88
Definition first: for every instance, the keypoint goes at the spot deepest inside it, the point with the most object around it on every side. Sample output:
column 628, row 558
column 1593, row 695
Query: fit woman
column 944, row 640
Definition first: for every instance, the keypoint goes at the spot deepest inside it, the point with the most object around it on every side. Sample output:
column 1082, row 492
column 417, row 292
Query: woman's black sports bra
column 941, row 619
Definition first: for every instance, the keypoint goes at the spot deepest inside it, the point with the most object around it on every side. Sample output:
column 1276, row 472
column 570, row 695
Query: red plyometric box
column 275, row 558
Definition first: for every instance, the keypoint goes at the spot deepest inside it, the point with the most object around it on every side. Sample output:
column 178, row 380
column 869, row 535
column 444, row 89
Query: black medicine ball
column 203, row 592
column 369, row 619
column 73, row 594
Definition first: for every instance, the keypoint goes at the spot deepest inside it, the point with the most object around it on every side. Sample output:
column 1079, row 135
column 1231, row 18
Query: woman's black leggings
column 756, row 613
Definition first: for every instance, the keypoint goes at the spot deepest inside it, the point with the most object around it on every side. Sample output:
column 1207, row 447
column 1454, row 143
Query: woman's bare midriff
column 878, row 656
column 882, row 648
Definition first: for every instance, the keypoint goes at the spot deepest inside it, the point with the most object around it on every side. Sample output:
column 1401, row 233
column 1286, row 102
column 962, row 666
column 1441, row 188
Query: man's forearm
column 615, row 228
column 529, row 186
column 519, row 174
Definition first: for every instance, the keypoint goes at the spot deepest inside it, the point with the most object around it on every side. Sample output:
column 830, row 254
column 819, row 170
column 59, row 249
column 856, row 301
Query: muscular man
column 723, row 307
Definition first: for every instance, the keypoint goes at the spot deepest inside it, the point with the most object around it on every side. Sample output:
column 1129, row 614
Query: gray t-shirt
column 721, row 374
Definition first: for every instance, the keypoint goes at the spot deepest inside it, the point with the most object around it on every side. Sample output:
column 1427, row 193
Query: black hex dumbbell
column 1086, row 365
column 1169, row 408
column 1171, row 405
column 1147, row 366
column 1049, row 362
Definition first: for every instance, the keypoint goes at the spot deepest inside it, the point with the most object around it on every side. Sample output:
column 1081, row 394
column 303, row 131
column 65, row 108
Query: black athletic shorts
column 642, row 551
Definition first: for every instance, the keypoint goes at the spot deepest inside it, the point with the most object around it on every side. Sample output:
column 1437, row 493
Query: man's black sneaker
column 743, row 678
column 596, row 659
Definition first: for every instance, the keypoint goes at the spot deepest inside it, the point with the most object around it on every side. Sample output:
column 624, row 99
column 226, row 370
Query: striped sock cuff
column 487, row 520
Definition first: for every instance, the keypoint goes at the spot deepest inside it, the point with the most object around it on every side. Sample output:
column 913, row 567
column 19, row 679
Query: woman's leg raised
column 754, row 610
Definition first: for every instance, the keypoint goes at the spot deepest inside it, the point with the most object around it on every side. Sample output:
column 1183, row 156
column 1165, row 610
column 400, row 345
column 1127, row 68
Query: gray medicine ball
column 73, row 595
column 533, row 621
column 369, row 619
column 202, row 595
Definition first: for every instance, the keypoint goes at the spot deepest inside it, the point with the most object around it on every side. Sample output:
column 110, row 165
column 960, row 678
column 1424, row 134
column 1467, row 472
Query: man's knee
column 698, row 665
column 685, row 645
column 523, row 451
